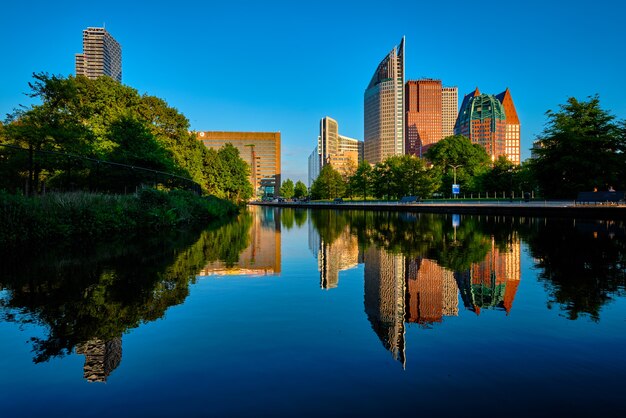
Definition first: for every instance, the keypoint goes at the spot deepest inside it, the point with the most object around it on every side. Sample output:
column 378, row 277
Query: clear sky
column 283, row 65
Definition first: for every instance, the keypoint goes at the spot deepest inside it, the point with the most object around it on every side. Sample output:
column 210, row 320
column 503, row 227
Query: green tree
column 471, row 162
column 235, row 182
column 287, row 189
column 300, row 190
column 360, row 181
column 580, row 149
column 328, row 185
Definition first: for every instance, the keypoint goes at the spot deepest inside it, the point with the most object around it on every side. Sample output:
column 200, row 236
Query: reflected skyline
column 262, row 256
column 418, row 271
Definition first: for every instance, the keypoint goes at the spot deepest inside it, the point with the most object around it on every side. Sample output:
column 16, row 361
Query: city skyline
column 183, row 60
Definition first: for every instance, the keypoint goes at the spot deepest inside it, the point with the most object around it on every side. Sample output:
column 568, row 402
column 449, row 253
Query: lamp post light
column 454, row 167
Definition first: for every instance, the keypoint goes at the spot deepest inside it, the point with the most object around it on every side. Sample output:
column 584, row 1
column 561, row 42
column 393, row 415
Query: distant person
column 595, row 189
column 611, row 189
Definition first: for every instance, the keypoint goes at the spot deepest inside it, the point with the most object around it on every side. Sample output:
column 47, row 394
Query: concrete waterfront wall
column 516, row 208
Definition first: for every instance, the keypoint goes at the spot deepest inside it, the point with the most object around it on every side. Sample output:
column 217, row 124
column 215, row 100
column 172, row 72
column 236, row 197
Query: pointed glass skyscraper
column 384, row 108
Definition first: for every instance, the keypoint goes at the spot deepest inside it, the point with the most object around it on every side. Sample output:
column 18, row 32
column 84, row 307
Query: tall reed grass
column 57, row 216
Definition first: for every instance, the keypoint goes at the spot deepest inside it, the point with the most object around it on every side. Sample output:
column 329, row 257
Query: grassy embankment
column 80, row 215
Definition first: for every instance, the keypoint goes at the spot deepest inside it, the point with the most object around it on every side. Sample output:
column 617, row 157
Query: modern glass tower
column 384, row 108
column 102, row 55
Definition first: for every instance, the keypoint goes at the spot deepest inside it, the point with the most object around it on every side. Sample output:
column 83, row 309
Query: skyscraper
column 449, row 110
column 342, row 152
column 512, row 127
column 483, row 121
column 261, row 150
column 384, row 108
column 102, row 55
column 423, row 119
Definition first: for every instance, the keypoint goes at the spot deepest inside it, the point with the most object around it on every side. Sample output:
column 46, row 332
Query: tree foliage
column 581, row 148
column 300, row 190
column 471, row 162
column 328, row 185
column 105, row 120
column 287, row 189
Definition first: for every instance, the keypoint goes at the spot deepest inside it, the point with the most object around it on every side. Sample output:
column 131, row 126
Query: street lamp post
column 454, row 167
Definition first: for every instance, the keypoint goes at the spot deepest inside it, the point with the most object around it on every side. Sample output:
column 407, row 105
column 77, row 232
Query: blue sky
column 283, row 65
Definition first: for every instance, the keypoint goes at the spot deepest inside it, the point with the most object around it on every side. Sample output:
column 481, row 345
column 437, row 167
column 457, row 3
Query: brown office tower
column 483, row 121
column 423, row 119
column 102, row 55
column 261, row 150
column 512, row 127
column 449, row 110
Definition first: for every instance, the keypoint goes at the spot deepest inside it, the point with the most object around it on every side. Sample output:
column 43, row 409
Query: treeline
column 582, row 148
column 68, row 141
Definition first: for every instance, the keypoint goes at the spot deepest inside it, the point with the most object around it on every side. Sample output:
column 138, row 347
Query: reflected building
column 384, row 298
column 101, row 358
column 333, row 257
column 492, row 283
column 431, row 292
column 263, row 254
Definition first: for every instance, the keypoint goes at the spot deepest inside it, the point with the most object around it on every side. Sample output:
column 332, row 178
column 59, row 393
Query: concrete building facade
column 102, row 55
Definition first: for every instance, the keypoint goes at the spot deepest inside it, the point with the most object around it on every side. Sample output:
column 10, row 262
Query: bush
column 59, row 216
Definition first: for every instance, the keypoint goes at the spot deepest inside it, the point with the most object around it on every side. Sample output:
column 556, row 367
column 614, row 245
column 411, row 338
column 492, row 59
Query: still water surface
column 322, row 313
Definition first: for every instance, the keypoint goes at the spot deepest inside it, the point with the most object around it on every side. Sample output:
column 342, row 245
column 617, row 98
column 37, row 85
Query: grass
column 62, row 216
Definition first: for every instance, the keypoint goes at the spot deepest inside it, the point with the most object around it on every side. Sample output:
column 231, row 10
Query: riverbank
column 62, row 216
column 542, row 208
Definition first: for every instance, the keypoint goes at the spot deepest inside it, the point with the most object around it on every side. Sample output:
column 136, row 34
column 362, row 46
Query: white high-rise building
column 384, row 108
column 102, row 55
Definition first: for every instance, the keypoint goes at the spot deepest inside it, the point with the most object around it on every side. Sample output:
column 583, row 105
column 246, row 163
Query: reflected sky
column 289, row 306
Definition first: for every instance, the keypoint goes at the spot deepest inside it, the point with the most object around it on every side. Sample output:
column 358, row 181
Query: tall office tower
column 512, row 127
column 352, row 146
column 315, row 162
column 423, row 118
column 343, row 153
column 261, row 147
column 483, row 121
column 329, row 139
column 384, row 108
column 449, row 110
column 102, row 55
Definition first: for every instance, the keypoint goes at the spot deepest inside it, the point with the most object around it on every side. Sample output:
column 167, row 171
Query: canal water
column 287, row 312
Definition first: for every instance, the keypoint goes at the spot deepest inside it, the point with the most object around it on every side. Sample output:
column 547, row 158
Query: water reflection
column 417, row 265
column 261, row 254
column 418, row 270
column 88, row 297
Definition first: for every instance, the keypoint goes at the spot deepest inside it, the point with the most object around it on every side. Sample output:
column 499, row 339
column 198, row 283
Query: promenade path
column 560, row 208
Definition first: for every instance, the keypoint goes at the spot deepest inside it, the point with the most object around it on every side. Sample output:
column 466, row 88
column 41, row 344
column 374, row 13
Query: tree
column 287, row 189
column 329, row 184
column 581, row 148
column 471, row 162
column 235, row 181
column 360, row 181
column 300, row 190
